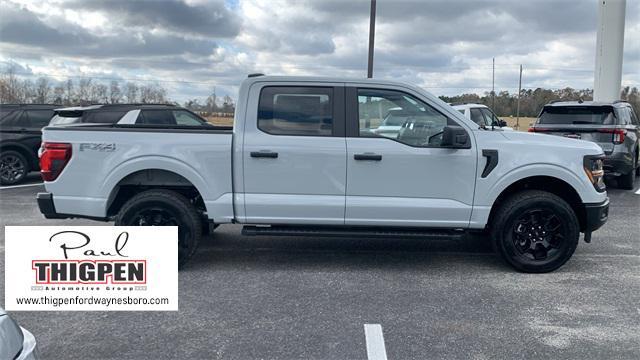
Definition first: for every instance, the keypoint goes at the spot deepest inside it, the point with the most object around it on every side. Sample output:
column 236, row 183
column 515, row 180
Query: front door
column 294, row 155
column 404, row 178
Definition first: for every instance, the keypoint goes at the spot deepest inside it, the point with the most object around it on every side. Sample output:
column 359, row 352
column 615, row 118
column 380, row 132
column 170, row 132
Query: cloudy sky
column 190, row 46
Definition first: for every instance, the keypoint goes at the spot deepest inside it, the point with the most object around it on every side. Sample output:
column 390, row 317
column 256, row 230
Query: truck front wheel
column 535, row 231
column 165, row 208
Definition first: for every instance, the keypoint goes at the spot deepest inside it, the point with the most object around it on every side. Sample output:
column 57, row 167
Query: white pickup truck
column 304, row 159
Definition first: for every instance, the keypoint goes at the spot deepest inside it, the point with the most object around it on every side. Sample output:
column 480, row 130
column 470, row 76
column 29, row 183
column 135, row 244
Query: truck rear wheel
column 535, row 231
column 165, row 208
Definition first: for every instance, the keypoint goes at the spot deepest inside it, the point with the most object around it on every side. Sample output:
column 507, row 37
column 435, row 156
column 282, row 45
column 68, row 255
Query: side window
column 461, row 111
column 185, row 118
column 490, row 117
column 624, row 116
column 39, row 118
column 156, row 117
column 21, row 120
column 634, row 118
column 11, row 119
column 105, row 117
column 416, row 123
column 296, row 111
column 477, row 117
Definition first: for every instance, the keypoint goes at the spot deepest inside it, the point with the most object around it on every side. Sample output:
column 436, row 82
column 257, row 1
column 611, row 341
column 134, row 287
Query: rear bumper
column 596, row 215
column 618, row 163
column 47, row 208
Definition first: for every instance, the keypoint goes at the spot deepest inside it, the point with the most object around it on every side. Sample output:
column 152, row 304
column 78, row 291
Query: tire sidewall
column 186, row 226
column 507, row 247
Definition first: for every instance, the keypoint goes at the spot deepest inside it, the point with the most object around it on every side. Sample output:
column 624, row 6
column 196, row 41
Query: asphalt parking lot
column 309, row 298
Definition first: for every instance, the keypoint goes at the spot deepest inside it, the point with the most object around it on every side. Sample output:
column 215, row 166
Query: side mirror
column 502, row 123
column 455, row 137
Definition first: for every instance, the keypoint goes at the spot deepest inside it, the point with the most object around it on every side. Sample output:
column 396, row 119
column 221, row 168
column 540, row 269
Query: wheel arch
column 152, row 178
column 551, row 184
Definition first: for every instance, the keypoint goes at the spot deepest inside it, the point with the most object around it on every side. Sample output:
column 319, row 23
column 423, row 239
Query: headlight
column 593, row 166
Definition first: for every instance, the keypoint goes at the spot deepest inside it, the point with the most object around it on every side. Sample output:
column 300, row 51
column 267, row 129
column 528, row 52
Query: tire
column 627, row 181
column 14, row 167
column 173, row 209
column 535, row 231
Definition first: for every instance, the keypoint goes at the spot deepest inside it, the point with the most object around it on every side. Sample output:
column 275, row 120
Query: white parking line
column 19, row 186
column 375, row 342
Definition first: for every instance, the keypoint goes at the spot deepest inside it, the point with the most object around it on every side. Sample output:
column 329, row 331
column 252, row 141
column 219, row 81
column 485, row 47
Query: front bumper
column 596, row 216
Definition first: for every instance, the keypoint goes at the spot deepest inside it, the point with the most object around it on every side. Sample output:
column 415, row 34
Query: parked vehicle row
column 21, row 128
column 305, row 158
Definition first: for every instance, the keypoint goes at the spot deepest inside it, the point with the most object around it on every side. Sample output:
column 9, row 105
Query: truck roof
column 276, row 78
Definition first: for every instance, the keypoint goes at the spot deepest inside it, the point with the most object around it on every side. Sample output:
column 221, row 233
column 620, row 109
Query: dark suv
column 127, row 114
column 20, row 135
column 613, row 126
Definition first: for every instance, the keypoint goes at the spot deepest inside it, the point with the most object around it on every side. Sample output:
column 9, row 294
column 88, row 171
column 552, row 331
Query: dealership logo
column 91, row 268
column 87, row 271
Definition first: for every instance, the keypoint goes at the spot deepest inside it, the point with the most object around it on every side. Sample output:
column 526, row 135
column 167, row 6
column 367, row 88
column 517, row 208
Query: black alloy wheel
column 13, row 167
column 165, row 208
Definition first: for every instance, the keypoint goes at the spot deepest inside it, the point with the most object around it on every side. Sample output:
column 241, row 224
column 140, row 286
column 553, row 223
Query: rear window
column 104, row 117
column 156, row 117
column 577, row 115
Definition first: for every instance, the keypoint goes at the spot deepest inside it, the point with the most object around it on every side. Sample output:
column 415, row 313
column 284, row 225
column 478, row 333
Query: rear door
column 294, row 154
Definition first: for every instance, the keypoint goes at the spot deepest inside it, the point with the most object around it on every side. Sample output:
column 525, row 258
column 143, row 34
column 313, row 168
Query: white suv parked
column 481, row 115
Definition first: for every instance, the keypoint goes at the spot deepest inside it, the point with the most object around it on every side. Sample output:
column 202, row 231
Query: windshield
column 585, row 115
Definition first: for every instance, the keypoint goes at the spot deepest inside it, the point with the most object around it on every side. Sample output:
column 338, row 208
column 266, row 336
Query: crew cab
column 303, row 159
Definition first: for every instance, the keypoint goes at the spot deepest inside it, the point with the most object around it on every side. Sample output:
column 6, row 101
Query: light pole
column 372, row 33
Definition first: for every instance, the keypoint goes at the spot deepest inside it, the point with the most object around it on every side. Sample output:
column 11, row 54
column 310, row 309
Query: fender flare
column 156, row 162
column 535, row 170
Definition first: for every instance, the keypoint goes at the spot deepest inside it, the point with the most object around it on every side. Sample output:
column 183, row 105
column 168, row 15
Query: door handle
column 368, row 156
column 264, row 154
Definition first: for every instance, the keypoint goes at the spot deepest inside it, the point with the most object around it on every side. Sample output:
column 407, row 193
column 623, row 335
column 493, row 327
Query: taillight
column 53, row 159
column 618, row 134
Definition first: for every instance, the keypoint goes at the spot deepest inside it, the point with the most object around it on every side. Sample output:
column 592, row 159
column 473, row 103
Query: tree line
column 88, row 91
column 82, row 92
column 532, row 100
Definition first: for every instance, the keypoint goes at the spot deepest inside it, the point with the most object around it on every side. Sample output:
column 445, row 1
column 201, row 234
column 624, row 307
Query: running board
column 351, row 231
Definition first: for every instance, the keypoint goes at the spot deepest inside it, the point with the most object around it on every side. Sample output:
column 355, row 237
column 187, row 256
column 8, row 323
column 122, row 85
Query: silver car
column 15, row 342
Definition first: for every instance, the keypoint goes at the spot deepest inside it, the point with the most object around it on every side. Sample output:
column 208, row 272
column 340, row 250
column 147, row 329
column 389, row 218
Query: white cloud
column 190, row 46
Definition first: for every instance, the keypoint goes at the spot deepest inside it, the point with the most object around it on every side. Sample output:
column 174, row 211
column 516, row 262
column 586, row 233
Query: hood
column 553, row 141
